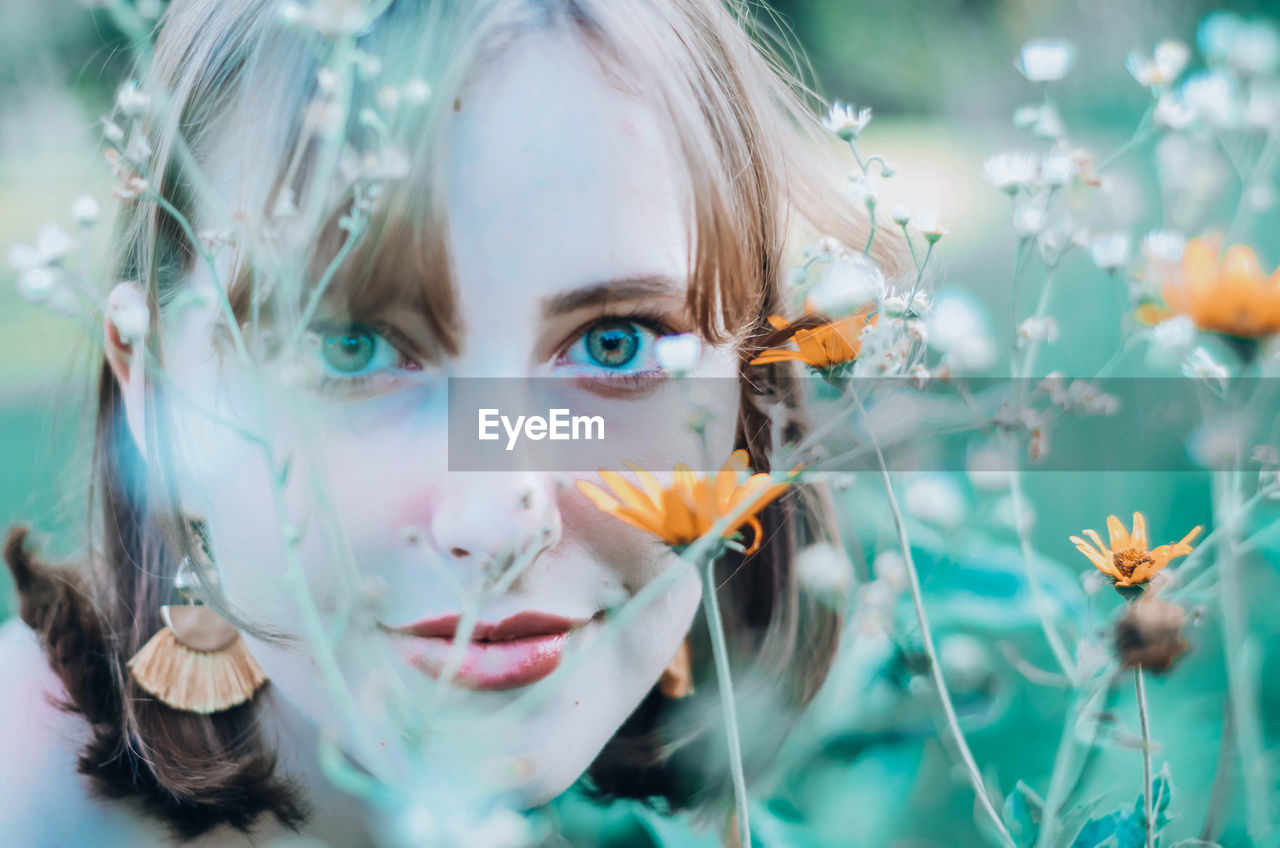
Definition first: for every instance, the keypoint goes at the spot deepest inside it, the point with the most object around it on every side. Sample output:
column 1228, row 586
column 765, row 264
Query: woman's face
column 557, row 183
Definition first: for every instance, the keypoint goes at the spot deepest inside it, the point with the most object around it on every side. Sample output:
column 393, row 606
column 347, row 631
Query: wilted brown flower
column 1149, row 634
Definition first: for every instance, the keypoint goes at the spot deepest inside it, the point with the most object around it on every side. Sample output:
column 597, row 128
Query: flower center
column 1128, row 560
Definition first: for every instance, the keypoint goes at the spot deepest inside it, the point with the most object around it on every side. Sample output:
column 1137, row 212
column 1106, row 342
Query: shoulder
column 47, row 802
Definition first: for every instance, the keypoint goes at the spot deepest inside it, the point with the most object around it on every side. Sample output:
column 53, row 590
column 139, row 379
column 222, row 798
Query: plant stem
column 719, row 650
column 926, row 636
column 1148, row 803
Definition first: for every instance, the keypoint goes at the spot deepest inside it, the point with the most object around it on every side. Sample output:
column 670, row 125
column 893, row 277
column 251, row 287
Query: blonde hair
column 760, row 168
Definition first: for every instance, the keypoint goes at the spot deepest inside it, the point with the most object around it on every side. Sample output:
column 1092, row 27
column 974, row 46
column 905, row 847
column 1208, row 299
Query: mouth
column 516, row 651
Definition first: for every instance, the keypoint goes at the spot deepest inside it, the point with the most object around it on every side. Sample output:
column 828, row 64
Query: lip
column 516, row 651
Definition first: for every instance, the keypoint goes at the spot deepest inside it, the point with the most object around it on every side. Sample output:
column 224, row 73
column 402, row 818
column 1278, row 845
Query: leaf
column 1126, row 827
column 1023, row 810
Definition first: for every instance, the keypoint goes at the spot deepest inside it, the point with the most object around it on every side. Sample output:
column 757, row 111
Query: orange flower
column 1128, row 561
column 681, row 513
column 824, row 347
column 1225, row 292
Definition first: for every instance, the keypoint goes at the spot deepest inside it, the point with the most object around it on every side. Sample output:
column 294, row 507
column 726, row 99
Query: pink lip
column 515, row 651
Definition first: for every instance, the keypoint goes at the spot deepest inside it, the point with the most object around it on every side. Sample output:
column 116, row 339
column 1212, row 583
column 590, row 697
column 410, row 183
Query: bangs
column 398, row 254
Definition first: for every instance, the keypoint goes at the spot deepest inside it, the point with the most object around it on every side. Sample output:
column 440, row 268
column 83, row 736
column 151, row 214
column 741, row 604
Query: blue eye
column 620, row 345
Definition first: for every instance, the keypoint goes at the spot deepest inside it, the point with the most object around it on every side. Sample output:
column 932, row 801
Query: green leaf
column 1023, row 810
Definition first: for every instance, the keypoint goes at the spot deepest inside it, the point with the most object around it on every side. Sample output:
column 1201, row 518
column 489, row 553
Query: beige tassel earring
column 677, row 678
column 197, row 662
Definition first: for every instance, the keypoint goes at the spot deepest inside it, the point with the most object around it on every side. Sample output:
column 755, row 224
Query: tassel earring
column 677, row 678
column 197, row 662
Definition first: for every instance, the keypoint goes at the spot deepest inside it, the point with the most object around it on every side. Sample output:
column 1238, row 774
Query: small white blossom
column 328, row 81
column 1255, row 49
column 1109, row 250
column 1173, row 112
column 111, row 132
column 935, row 499
column 1175, row 334
column 678, row 354
column 1164, row 245
column 1167, row 63
column 927, row 223
column 1045, row 59
column 388, row 98
column 132, row 101
column 863, row 190
column 846, row 121
column 824, row 570
column 1028, row 218
column 35, row 284
column 847, row 283
column 1212, row 96
column 416, row 91
column 1010, row 171
column 1201, row 366
column 1058, row 169
column 84, row 210
column 127, row 310
column 1041, row 329
column 901, row 216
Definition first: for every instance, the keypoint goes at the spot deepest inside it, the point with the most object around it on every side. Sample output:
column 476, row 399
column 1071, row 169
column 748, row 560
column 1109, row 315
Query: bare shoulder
column 47, row 802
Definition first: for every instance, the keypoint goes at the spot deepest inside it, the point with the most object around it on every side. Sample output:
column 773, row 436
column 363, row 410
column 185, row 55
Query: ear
column 125, row 323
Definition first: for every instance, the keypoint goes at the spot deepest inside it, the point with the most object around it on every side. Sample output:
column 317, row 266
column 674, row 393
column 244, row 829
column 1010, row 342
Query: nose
column 495, row 519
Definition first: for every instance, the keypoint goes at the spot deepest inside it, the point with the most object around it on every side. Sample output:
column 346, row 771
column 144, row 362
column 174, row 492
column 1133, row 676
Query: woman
column 331, row 210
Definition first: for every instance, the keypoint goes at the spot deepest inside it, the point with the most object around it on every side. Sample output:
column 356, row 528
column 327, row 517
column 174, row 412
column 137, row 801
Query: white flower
column 1058, row 169
column 1164, row 246
column 895, row 305
column 416, row 91
column 111, row 131
column 84, row 210
column 52, row 243
column 1028, row 218
column 824, row 570
column 128, row 311
column 990, row 468
column 935, row 499
column 1175, row 334
column 328, row 81
column 678, row 354
column 1212, row 96
column 1201, row 366
column 847, row 283
column 1172, row 112
column 1010, row 171
column 1255, row 50
column 901, row 216
column 35, row 284
column 863, row 190
column 131, row 101
column 139, row 149
column 1042, row 329
column 1169, row 60
column 927, row 223
column 846, row 121
column 1045, row 59
column 388, row 98
column 1109, row 250
column 958, row 328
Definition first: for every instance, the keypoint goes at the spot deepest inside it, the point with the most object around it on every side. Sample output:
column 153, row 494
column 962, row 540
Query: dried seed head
column 1149, row 634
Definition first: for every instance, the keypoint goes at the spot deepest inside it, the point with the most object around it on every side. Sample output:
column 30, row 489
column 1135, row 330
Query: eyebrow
column 619, row 288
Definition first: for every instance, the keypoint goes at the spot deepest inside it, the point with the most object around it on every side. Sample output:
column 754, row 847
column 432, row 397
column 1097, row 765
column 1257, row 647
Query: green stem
column 1148, row 803
column 720, row 651
column 926, row 636
column 1060, row 781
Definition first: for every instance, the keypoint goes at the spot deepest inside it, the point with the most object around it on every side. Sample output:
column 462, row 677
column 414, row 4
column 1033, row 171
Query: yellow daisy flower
column 1226, row 293
column 682, row 512
column 826, row 346
column 1128, row 560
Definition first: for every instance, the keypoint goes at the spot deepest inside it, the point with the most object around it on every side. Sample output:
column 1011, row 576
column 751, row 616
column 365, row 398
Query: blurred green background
column 939, row 75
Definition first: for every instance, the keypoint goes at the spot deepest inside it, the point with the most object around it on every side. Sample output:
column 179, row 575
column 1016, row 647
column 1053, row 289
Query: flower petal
column 1139, row 531
column 1119, row 535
